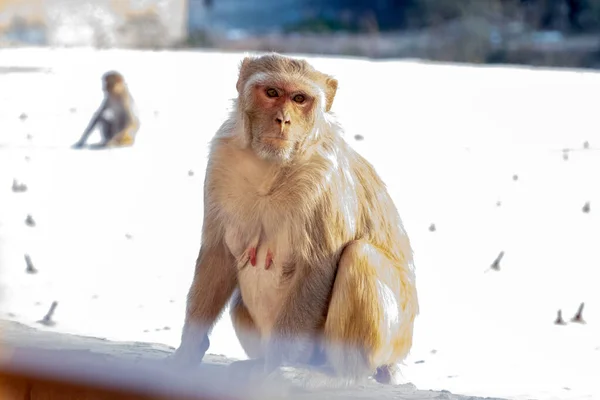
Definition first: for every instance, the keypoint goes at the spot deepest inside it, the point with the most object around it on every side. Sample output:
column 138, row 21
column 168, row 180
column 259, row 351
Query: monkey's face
column 282, row 101
column 113, row 85
column 281, row 115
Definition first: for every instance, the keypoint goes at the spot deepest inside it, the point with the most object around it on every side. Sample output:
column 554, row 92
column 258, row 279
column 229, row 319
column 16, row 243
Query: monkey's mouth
column 276, row 138
column 275, row 141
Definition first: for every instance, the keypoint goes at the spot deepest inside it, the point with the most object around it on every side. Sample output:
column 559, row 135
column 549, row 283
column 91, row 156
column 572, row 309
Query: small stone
column 72, row 110
column 434, row 351
column 128, row 236
column 496, row 264
column 586, row 207
column 432, row 228
column 47, row 320
column 29, row 221
column 23, row 116
column 578, row 318
column 586, row 145
column 191, row 172
column 30, row 269
column 29, row 136
column 565, row 154
column 420, row 362
column 498, row 203
column 166, row 328
column 515, row 177
column 18, row 187
column 359, row 137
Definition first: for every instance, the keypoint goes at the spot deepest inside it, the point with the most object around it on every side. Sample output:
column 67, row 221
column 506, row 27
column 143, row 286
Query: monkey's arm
column 92, row 124
column 302, row 314
column 215, row 279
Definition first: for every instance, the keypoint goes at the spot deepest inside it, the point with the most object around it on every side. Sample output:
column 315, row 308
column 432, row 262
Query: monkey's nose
column 283, row 119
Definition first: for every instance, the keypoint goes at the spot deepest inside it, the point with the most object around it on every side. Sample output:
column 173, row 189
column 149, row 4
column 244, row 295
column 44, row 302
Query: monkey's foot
column 251, row 375
column 189, row 354
column 388, row 375
column 247, row 370
column 306, row 378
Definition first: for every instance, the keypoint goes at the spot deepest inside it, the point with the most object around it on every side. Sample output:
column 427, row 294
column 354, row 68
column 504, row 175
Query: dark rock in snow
column 559, row 319
column 47, row 320
column 586, row 207
column 30, row 269
column 578, row 318
column 496, row 264
column 18, row 187
column 29, row 221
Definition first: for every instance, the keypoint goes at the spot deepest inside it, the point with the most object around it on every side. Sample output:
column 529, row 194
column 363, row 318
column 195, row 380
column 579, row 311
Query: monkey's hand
column 189, row 357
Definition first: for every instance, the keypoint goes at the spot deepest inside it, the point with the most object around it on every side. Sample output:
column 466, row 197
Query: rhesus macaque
column 117, row 116
column 300, row 233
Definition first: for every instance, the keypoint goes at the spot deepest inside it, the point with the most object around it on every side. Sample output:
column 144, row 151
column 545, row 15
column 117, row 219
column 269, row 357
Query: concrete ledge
column 37, row 365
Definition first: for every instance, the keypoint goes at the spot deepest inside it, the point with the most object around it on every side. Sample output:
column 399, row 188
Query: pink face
column 282, row 116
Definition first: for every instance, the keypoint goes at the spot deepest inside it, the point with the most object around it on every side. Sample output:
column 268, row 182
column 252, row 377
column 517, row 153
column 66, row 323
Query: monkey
column 299, row 236
column 117, row 115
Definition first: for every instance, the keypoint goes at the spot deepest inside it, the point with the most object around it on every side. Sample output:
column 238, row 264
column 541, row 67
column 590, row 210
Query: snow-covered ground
column 117, row 232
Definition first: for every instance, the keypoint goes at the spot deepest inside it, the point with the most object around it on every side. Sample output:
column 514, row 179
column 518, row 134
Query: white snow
column 447, row 140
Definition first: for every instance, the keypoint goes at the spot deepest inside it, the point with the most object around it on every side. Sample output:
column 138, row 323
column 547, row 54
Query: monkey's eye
column 272, row 93
column 299, row 98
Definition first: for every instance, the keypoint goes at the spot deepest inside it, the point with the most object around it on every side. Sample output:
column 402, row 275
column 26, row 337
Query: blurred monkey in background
column 117, row 116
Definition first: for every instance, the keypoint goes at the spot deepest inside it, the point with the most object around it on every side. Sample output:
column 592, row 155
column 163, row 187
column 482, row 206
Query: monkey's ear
column 243, row 74
column 331, row 85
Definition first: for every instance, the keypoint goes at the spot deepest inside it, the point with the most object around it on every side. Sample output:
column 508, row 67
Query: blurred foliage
column 564, row 15
column 320, row 25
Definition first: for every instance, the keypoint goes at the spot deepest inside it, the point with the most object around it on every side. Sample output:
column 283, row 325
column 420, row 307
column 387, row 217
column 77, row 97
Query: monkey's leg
column 107, row 130
column 125, row 136
column 244, row 327
column 215, row 279
column 370, row 320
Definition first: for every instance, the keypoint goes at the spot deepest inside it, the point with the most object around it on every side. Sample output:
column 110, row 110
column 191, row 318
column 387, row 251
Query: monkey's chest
column 260, row 263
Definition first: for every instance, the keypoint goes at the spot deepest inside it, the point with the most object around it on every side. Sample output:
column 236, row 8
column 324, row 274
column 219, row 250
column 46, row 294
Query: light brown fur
column 300, row 230
column 122, row 126
column 118, row 93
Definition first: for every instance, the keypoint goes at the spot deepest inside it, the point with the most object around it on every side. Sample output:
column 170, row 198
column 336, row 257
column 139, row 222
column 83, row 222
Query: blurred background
column 537, row 32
